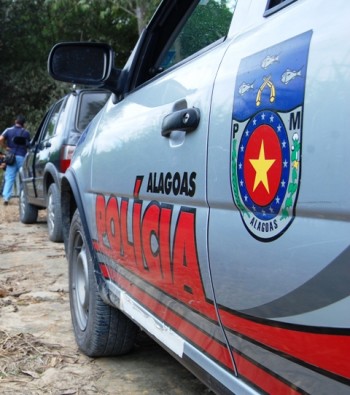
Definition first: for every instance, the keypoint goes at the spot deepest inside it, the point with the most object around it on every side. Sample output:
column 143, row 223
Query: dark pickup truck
column 50, row 153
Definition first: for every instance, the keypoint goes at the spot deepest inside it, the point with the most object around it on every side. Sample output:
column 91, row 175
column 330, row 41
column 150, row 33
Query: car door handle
column 185, row 120
column 43, row 145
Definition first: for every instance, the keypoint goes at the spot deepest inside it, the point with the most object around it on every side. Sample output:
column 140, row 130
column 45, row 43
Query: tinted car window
column 51, row 125
column 208, row 23
column 90, row 105
column 276, row 5
column 62, row 119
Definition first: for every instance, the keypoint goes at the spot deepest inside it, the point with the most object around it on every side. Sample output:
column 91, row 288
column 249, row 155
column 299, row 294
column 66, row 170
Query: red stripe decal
column 208, row 344
column 261, row 378
column 328, row 352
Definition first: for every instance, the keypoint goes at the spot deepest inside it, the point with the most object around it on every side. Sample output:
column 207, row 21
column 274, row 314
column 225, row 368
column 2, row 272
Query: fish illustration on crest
column 244, row 88
column 269, row 60
column 289, row 75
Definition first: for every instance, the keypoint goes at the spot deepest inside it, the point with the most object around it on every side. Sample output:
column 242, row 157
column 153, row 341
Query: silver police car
column 209, row 203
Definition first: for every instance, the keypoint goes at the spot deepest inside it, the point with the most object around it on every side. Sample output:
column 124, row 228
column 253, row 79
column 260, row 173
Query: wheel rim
column 80, row 288
column 50, row 213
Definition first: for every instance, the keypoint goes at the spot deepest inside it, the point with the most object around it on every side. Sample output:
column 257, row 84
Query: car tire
column 54, row 214
column 100, row 329
column 28, row 214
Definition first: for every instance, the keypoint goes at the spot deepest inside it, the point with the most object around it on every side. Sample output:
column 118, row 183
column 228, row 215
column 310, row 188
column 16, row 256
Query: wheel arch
column 68, row 206
column 51, row 175
column 22, row 182
column 21, row 174
column 70, row 202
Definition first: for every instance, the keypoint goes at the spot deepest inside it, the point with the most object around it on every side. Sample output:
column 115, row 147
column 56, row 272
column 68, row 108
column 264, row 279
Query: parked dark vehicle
column 50, row 153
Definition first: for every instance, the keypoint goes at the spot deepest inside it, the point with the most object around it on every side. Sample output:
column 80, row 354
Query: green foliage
column 30, row 28
column 207, row 24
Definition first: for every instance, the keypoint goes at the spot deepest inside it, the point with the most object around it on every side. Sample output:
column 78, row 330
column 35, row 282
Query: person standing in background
column 20, row 150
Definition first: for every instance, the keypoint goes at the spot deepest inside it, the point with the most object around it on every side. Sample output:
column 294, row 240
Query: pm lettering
column 295, row 120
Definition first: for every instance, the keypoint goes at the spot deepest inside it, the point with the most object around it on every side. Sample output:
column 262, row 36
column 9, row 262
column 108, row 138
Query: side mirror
column 84, row 63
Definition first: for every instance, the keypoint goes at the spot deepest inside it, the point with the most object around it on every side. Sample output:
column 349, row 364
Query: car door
column 279, row 208
column 149, row 176
column 27, row 172
column 45, row 147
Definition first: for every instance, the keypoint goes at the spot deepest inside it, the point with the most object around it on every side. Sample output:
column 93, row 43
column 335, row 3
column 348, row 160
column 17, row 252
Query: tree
column 29, row 29
column 207, row 24
column 139, row 9
column 25, row 85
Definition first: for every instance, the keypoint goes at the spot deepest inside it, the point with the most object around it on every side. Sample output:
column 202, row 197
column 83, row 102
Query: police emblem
column 267, row 128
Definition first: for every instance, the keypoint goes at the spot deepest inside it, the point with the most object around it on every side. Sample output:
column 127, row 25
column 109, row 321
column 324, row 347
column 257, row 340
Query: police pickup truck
column 209, row 203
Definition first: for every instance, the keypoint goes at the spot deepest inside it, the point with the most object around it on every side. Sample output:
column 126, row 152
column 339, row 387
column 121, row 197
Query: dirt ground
column 38, row 354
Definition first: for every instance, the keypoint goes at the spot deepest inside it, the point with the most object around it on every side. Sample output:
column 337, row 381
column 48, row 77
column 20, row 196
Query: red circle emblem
column 263, row 165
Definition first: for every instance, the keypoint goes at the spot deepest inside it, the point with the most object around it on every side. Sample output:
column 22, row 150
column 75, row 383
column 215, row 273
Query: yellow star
column 261, row 167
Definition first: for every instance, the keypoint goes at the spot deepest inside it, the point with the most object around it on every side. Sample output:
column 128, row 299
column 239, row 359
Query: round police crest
column 261, row 178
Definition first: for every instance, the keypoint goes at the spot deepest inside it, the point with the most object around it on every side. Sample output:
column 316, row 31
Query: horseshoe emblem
column 269, row 84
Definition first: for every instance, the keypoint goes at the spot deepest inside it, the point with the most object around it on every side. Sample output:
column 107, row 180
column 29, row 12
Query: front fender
column 71, row 200
column 21, row 175
column 51, row 174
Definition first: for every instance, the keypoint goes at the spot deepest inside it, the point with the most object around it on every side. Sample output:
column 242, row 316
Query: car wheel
column 54, row 216
column 100, row 330
column 28, row 213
